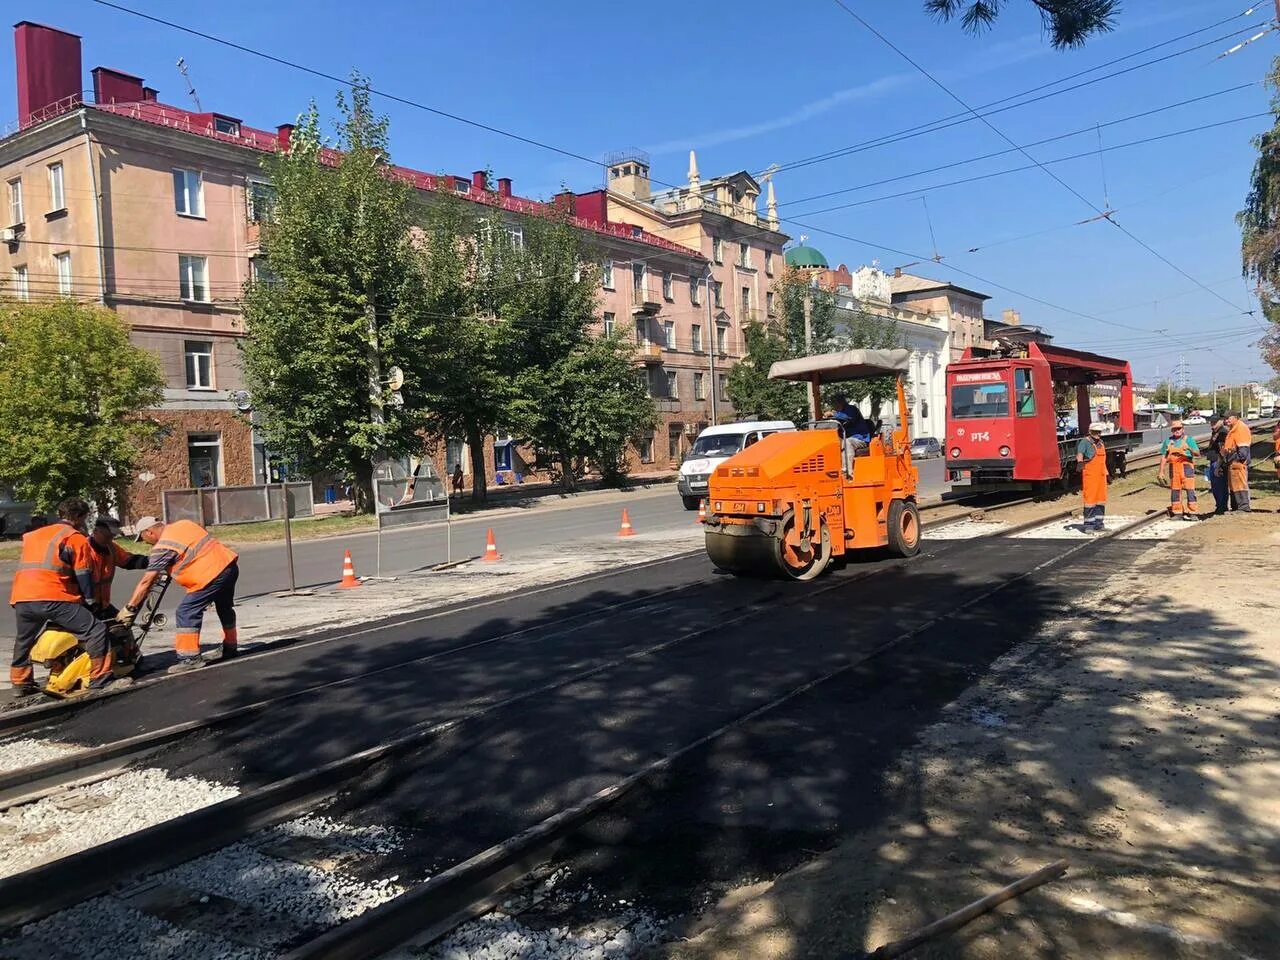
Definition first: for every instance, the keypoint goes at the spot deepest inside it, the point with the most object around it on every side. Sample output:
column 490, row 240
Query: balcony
column 645, row 299
column 650, row 354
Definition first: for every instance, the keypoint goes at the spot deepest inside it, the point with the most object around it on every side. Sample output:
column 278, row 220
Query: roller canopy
column 843, row 365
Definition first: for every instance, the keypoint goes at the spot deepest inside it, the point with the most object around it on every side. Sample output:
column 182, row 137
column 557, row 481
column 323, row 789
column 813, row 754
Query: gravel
column 965, row 530
column 83, row 817
column 1070, row 529
column 25, row 752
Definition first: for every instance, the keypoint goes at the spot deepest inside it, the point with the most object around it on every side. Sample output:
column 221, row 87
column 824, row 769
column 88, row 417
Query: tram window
column 1026, row 397
column 972, row 400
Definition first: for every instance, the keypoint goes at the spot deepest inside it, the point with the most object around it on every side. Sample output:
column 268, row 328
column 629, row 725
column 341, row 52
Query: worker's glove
column 1162, row 478
column 126, row 616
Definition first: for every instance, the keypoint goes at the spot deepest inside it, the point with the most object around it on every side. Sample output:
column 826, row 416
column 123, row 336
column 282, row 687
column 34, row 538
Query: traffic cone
column 348, row 572
column 702, row 511
column 491, row 549
column 627, row 530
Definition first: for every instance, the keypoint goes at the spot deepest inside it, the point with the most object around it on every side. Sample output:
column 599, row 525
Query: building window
column 16, row 215
column 768, row 303
column 226, row 125
column 461, row 185
column 768, row 262
column 746, row 304
column 667, row 293
column 637, row 277
column 193, row 278
column 694, row 293
column 722, row 338
column 744, row 254
column 204, row 459
column 20, row 290
column 717, row 250
column 260, row 270
column 608, row 324
column 717, row 294
column 57, row 196
column 673, row 385
column 260, row 198
column 669, row 334
column 199, row 356
column 606, row 274
column 696, row 338
column 454, row 455
column 722, row 387
column 699, row 386
column 646, row 449
column 642, row 331
column 675, row 439
column 188, row 193
column 515, row 235
column 62, row 266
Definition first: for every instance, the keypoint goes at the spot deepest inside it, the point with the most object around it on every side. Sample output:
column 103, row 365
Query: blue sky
column 762, row 83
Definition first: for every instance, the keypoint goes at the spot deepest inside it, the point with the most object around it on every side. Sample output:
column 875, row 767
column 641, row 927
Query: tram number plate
column 975, row 435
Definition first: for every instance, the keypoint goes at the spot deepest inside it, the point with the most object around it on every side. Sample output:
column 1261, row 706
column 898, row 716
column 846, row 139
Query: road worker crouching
column 1177, row 470
column 53, row 586
column 205, row 568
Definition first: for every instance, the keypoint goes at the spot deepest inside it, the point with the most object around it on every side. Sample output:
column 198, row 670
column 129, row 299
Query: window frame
column 768, row 263
column 717, row 294
column 251, row 186
column 694, row 294
column 669, row 334
column 185, row 173
column 722, row 339
column 744, row 254
column 699, row 385
column 717, row 251
column 668, row 287
column 768, row 303
column 61, row 260
column 608, row 320
column 21, row 278
column 57, row 187
column 17, row 203
column 695, row 337
column 1022, row 393
column 644, row 447
column 189, row 368
column 187, row 286
column 606, row 274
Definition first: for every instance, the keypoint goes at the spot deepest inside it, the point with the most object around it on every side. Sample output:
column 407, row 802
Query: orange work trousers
column 1182, row 477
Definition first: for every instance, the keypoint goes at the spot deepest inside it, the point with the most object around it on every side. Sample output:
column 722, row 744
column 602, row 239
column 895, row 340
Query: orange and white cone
column 491, row 548
column 627, row 530
column 348, row 572
column 702, row 510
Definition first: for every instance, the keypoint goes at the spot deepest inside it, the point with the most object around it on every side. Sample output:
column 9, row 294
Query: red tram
column 1002, row 423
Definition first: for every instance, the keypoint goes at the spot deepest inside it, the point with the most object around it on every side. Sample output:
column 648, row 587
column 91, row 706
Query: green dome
column 804, row 256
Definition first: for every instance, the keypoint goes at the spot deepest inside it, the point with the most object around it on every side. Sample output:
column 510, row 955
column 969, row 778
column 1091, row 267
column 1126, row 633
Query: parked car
column 1196, row 421
column 925, row 448
column 713, row 447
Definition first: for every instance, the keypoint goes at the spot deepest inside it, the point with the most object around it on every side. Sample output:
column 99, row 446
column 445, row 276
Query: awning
column 843, row 365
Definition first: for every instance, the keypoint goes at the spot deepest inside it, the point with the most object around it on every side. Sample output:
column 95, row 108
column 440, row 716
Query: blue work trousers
column 1217, row 484
column 220, row 592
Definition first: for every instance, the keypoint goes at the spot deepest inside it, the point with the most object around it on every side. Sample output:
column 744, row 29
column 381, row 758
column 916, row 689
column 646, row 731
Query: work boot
column 187, row 664
column 22, row 690
column 229, row 652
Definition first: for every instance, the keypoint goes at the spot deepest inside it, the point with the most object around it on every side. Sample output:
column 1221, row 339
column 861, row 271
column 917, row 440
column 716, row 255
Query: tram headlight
column 1004, row 451
column 955, row 453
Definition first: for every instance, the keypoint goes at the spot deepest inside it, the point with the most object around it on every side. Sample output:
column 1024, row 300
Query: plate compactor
column 68, row 662
column 789, row 504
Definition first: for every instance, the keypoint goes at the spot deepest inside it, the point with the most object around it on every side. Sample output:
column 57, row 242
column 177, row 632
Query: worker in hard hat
column 1177, row 469
column 1235, row 454
column 205, row 568
column 54, row 587
column 107, row 557
column 1091, row 455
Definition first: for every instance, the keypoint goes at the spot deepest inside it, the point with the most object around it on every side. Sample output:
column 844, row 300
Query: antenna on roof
column 191, row 91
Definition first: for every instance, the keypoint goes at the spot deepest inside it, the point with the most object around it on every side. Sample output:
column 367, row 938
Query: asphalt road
column 318, row 563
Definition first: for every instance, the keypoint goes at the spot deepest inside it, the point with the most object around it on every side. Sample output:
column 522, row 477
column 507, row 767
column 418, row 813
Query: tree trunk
column 479, row 483
column 362, row 491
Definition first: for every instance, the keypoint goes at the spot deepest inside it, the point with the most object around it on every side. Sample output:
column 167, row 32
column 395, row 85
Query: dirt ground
column 1139, row 739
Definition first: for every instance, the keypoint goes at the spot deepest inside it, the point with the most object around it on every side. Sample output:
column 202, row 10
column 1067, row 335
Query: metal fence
column 212, row 505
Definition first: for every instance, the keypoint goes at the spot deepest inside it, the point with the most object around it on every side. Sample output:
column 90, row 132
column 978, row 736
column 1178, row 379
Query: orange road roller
column 787, row 505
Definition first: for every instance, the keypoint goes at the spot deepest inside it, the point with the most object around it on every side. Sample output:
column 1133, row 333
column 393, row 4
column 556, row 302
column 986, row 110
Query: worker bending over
column 1177, row 469
column 205, row 568
column 54, row 587
column 107, row 556
column 1092, row 457
column 1235, row 454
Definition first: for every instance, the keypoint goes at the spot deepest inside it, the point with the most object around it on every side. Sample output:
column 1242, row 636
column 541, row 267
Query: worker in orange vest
column 1177, row 469
column 205, row 568
column 1235, row 457
column 54, row 586
column 1092, row 457
column 107, row 556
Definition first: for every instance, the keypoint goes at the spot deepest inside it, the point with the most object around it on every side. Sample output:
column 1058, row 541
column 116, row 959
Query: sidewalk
column 1140, row 739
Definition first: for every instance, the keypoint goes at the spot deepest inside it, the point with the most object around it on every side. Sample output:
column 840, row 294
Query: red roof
column 202, row 125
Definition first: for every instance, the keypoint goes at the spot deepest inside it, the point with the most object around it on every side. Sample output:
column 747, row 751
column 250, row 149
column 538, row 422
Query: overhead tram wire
column 1004, row 105
column 1072, row 190
column 595, row 163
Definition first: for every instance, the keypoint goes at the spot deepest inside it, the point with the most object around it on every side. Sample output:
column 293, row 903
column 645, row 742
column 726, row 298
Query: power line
column 996, row 130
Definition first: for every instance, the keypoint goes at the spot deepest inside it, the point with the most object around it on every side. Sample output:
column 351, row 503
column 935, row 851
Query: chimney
column 48, row 62
column 150, row 94
column 112, row 86
column 1012, row 317
column 504, row 186
column 897, row 271
column 564, row 201
column 284, row 133
column 479, row 181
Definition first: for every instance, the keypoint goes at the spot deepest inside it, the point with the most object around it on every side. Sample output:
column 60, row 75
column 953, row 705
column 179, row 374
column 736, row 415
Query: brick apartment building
column 152, row 211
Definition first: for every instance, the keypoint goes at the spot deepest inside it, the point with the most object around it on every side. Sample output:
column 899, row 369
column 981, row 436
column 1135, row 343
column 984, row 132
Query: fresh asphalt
column 536, row 528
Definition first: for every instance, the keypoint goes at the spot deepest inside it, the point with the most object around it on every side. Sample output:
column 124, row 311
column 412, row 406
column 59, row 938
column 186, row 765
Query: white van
column 713, row 447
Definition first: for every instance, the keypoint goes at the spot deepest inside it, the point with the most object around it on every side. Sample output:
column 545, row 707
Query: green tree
column 72, row 394
column 342, row 303
column 1260, row 225
column 1069, row 23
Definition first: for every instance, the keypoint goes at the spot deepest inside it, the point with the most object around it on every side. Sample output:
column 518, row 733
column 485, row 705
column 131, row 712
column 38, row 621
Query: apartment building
column 152, row 210
column 962, row 306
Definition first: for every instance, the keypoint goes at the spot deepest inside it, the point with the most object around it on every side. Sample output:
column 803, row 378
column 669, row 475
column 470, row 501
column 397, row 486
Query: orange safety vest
column 52, row 556
column 1179, row 450
column 1238, row 436
column 104, row 570
column 1093, row 478
column 200, row 557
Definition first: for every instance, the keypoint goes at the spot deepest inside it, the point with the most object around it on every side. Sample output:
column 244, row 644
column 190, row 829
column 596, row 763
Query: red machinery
column 1003, row 429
